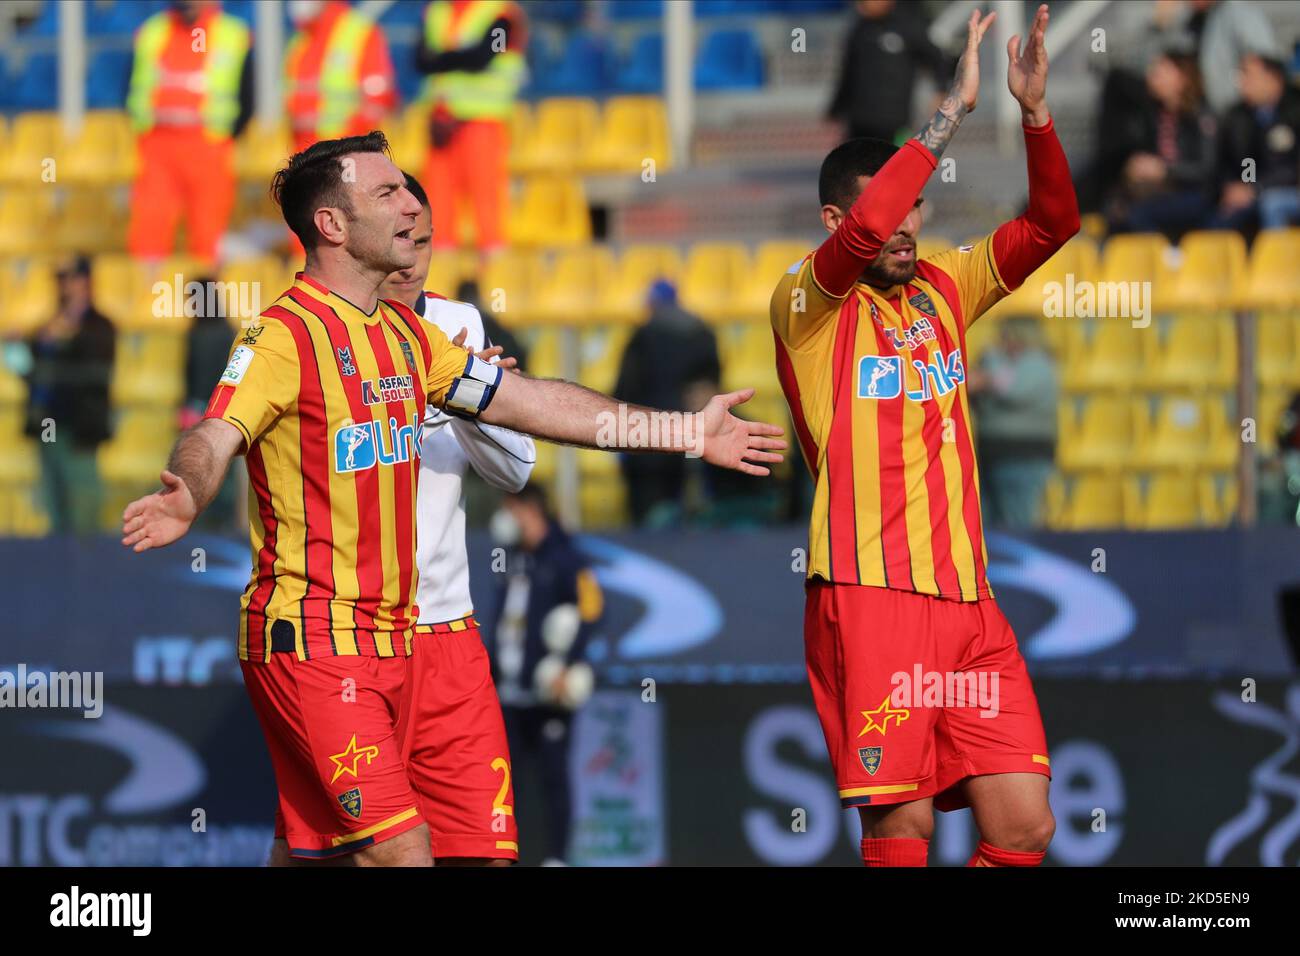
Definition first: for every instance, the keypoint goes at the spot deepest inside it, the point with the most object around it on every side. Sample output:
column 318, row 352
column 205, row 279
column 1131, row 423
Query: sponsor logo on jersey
column 240, row 359
column 913, row 336
column 390, row 388
column 361, row 446
column 880, row 376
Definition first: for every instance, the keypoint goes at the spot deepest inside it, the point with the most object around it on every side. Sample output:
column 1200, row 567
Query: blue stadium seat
column 106, row 79
column 729, row 60
column 46, row 23
column 583, row 69
column 409, row 78
column 643, row 71
column 556, row 11
column 120, row 18
column 635, row 9
column 37, row 83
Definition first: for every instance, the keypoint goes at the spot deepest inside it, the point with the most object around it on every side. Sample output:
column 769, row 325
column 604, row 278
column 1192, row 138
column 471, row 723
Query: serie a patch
column 350, row 800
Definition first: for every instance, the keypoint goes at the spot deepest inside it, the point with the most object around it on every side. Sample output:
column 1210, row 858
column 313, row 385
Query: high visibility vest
column 338, row 86
column 488, row 94
column 212, row 88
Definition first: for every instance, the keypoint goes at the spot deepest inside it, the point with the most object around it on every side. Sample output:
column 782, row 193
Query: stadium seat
column 1277, row 349
column 1269, row 409
column 1105, row 354
column 101, row 153
column 715, row 272
column 1077, row 258
column 601, row 354
column 1187, row 432
column 1093, row 501
column 33, row 139
column 729, row 60
column 643, row 70
column 583, row 69
column 771, row 261
column 632, row 130
column 1135, row 257
column 25, row 215
column 568, row 291
column 148, row 370
column 1099, row 436
column 1192, row 352
column 1208, row 274
column 1164, row 501
column 635, row 9
column 748, row 357
column 20, row 464
column 37, row 87
column 120, row 17
column 408, row 136
column 1272, row 278
column 91, row 221
column 521, row 130
column 603, row 504
column 623, row 299
column 29, row 295
column 551, row 212
column 508, row 284
column 563, row 131
column 1217, row 492
column 261, row 150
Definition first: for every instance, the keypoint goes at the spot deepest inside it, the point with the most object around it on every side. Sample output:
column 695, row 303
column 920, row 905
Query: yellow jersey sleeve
column 979, row 284
column 800, row 308
column 260, row 380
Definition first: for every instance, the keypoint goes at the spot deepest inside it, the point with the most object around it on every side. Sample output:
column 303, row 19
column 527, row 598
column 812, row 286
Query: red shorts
column 457, row 756
column 916, row 693
column 335, row 749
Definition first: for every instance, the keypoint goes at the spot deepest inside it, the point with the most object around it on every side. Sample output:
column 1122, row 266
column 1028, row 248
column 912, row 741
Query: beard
column 885, row 272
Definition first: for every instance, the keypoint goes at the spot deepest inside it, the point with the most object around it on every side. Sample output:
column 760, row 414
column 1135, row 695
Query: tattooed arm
column 963, row 93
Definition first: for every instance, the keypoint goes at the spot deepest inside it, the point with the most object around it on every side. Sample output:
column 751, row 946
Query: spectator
column 885, row 48
column 67, row 411
column 1225, row 31
column 547, row 609
column 1015, row 394
column 1263, row 128
column 670, row 362
column 1166, row 153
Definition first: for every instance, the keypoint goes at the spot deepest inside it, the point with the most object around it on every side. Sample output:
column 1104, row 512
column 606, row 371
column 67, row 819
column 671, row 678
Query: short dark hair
column 415, row 189
column 314, row 178
column 532, row 494
column 838, row 183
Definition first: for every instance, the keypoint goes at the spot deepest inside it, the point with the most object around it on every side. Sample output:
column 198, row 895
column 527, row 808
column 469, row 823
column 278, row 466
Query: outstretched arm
column 191, row 480
column 571, row 414
column 889, row 195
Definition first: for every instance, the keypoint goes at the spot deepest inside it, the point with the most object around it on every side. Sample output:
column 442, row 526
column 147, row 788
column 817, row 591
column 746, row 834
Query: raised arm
column 572, row 414
column 889, row 195
column 1052, row 217
column 191, row 480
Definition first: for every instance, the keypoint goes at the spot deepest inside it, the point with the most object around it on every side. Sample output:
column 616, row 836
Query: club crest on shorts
column 871, row 757
column 350, row 800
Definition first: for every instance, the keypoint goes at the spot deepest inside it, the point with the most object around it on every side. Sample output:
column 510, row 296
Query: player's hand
column 731, row 442
column 160, row 518
column 1027, row 68
column 966, row 83
column 488, row 354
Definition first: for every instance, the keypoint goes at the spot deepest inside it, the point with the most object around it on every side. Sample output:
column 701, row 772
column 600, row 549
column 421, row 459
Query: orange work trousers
column 183, row 173
column 472, row 166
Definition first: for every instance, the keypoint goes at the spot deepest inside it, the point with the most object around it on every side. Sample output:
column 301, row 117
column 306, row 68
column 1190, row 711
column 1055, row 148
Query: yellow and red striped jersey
column 329, row 401
column 876, row 387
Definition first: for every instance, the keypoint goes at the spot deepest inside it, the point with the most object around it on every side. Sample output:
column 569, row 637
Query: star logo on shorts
column 879, row 718
column 347, row 761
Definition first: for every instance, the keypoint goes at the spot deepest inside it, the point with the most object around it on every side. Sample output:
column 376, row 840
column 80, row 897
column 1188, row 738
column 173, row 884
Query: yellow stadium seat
column 1051, row 282
column 33, row 144
column 569, row 290
column 508, row 284
column 90, row 221
column 521, row 128
column 1277, row 350
column 748, row 357
column 444, row 273
column 101, row 153
column 771, row 261
column 544, row 469
column 1101, row 435
column 1093, row 225
column 261, row 150
column 715, row 272
column 601, row 353
column 1105, row 354
column 623, row 299
column 29, row 295
column 1218, row 498
column 1187, row 432
column 408, row 138
column 1273, row 279
column 1164, row 501
column 633, row 129
column 603, row 504
column 1093, row 501
column 1207, row 273
column 138, row 450
column 563, row 131
column 596, row 465
column 148, row 370
column 1269, row 408
column 20, row 464
column 1133, row 258
column 1194, row 352
column 22, row 511
column 551, row 211
column 26, row 221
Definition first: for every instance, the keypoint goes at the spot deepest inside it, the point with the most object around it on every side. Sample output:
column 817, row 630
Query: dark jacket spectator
column 1264, row 127
column 886, row 47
